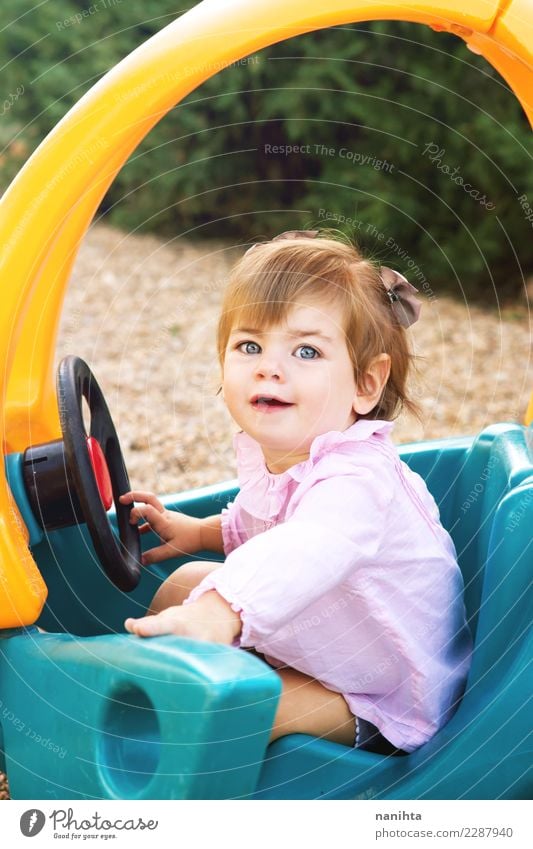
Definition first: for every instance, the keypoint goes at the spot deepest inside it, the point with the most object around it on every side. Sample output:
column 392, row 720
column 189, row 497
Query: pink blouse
column 340, row 568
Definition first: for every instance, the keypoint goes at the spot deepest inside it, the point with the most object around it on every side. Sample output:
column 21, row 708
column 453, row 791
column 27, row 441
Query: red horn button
column 101, row 472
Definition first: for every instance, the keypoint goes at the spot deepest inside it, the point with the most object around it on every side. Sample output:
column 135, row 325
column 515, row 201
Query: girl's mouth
column 268, row 403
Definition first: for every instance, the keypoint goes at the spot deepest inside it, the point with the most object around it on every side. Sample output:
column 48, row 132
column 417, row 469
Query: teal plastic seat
column 173, row 718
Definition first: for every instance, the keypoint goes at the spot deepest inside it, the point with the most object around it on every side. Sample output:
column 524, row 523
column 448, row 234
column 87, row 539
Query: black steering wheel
column 77, row 479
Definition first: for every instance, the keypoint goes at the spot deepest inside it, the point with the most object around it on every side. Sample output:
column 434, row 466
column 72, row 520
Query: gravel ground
column 143, row 312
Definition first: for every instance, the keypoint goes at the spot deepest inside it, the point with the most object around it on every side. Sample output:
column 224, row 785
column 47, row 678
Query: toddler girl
column 337, row 568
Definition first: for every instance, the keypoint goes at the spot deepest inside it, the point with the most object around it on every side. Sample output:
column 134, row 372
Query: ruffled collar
column 262, row 493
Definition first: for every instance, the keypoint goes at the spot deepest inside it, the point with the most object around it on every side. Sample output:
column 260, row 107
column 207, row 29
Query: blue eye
column 307, row 352
column 249, row 348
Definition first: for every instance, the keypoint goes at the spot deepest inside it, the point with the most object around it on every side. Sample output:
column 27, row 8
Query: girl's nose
column 268, row 368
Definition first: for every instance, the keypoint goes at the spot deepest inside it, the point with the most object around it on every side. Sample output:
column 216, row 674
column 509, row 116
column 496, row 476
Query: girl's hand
column 181, row 534
column 211, row 618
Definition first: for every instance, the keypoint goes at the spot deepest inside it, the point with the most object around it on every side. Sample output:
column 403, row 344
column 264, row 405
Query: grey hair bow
column 405, row 306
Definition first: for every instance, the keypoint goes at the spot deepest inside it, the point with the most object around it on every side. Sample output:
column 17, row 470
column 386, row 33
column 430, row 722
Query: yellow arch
column 45, row 213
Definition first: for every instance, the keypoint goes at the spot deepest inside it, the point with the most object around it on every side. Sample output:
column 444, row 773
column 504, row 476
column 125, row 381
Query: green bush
column 383, row 121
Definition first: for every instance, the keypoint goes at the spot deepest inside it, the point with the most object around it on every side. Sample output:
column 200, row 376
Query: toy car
column 87, row 711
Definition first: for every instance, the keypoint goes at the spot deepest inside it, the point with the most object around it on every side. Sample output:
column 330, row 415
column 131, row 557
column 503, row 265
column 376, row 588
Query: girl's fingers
column 135, row 515
column 144, row 497
column 159, row 553
column 143, row 529
column 148, row 513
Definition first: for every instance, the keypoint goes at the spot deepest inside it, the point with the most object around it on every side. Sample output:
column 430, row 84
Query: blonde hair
column 267, row 281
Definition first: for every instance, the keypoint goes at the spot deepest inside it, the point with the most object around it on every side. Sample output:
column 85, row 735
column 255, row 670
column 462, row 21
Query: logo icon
column 32, row 822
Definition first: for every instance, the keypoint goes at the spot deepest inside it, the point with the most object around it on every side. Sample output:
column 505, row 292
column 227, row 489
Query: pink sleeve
column 229, row 526
column 337, row 527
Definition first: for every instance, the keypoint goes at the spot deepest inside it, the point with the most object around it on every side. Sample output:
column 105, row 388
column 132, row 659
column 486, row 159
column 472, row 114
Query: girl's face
column 287, row 384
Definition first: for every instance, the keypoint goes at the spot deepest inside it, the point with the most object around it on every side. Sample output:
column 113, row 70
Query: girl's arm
column 181, row 534
column 211, row 533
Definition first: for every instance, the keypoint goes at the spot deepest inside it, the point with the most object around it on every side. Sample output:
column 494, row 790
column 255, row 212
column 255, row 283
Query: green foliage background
column 384, row 91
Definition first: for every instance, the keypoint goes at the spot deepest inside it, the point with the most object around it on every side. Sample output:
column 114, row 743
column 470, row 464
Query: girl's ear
column 373, row 383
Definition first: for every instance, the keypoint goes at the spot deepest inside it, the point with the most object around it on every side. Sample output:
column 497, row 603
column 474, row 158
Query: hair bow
column 405, row 306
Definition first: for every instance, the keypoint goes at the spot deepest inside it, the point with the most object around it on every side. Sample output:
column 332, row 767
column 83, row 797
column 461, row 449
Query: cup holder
column 129, row 743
